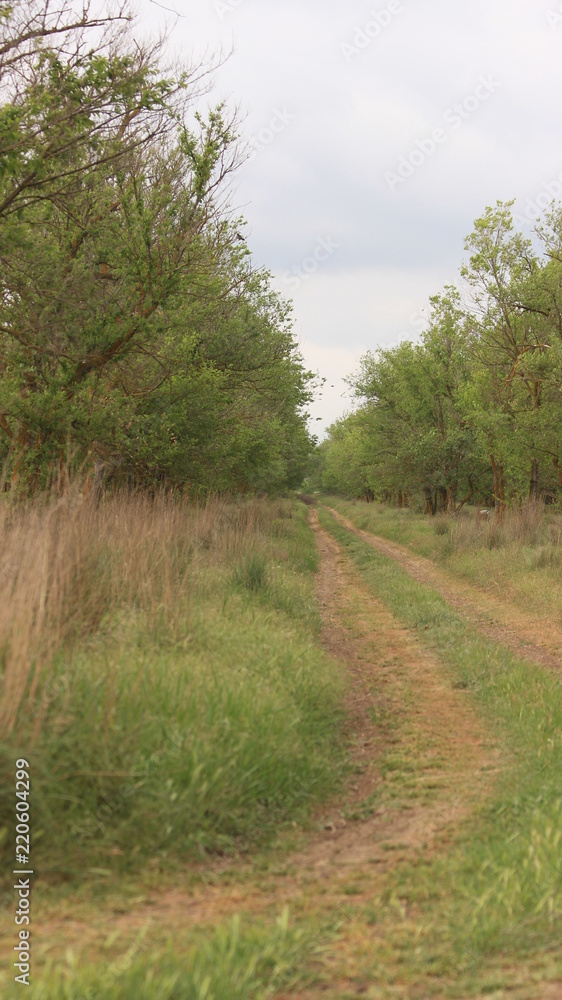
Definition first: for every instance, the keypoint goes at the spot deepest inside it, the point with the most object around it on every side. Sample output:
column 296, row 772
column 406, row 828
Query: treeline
column 472, row 413
column 137, row 341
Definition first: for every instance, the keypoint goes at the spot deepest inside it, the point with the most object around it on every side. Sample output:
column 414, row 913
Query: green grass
column 233, row 963
column 396, row 524
column 175, row 732
column 495, row 898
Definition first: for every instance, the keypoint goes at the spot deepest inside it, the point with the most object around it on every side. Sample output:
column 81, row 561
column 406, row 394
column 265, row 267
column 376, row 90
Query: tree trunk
column 467, row 498
column 502, row 492
column 499, row 492
column 534, row 483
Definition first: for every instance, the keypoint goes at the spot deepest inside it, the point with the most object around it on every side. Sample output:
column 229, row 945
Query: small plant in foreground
column 251, row 573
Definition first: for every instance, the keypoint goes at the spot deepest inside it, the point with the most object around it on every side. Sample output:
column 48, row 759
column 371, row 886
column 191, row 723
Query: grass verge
column 162, row 678
column 232, row 963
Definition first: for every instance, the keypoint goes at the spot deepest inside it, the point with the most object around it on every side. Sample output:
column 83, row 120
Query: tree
column 133, row 330
column 517, row 351
column 473, row 411
column 414, row 416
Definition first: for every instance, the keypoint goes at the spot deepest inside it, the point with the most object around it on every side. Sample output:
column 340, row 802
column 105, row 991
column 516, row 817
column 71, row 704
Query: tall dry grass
column 530, row 525
column 64, row 565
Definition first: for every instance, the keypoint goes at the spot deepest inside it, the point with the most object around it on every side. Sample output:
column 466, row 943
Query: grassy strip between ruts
column 494, row 902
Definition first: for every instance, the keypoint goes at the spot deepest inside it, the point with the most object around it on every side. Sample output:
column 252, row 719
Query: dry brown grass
column 530, row 525
column 65, row 564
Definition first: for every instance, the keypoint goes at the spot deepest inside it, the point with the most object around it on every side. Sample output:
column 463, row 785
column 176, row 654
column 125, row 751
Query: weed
column 251, row 573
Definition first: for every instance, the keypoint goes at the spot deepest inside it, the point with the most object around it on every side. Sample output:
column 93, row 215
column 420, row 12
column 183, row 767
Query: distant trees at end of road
column 473, row 412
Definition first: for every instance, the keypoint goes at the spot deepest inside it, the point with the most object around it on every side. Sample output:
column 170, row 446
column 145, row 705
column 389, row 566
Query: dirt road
column 536, row 641
column 423, row 763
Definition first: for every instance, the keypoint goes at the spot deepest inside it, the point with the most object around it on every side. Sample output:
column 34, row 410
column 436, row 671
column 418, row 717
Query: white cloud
column 335, row 396
column 346, row 323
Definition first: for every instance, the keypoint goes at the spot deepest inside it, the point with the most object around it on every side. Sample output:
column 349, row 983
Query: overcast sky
column 379, row 131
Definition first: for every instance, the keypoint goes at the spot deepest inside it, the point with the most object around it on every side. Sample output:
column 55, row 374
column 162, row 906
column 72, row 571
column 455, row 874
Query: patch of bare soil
column 538, row 641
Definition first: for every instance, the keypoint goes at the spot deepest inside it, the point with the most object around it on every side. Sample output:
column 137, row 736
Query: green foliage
column 234, row 963
column 474, row 411
column 136, row 339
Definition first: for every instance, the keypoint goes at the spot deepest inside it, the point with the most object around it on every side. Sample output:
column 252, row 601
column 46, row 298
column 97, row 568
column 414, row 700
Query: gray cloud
column 349, row 121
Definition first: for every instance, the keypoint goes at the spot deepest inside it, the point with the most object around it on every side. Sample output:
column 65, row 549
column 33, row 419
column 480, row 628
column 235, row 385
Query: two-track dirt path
column 424, row 763
column 539, row 641
column 401, row 698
